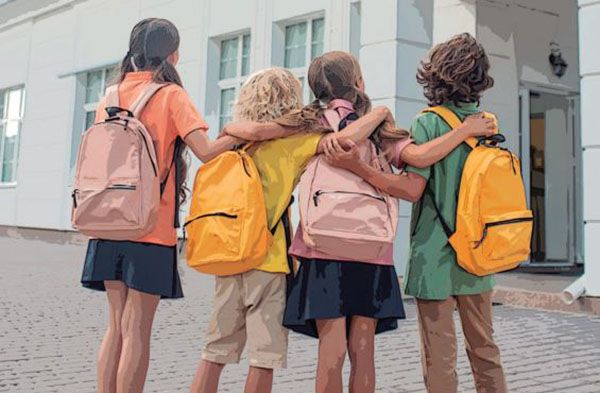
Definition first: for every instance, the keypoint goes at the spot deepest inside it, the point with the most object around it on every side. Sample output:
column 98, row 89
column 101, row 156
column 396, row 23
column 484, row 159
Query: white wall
column 516, row 35
column 45, row 54
column 589, row 26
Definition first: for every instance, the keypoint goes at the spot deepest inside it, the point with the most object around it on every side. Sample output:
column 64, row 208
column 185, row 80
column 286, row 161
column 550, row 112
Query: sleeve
column 420, row 134
column 183, row 115
column 396, row 150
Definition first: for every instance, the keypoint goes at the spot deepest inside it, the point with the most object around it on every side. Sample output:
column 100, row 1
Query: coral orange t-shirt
column 169, row 114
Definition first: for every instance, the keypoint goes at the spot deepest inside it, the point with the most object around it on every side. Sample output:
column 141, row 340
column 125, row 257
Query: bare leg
column 260, row 380
column 110, row 349
column 332, row 352
column 361, row 348
column 207, row 377
column 135, row 355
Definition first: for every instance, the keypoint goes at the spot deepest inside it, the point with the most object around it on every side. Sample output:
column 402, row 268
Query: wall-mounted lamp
column 558, row 64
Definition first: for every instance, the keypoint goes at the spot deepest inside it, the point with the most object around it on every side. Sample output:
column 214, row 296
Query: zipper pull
column 74, row 196
column 316, row 197
column 478, row 243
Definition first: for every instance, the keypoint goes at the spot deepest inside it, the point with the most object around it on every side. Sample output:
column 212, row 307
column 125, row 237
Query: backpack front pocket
column 507, row 236
column 108, row 208
column 214, row 237
column 349, row 211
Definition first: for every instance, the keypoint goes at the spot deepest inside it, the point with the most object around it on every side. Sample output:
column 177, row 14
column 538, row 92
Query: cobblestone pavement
column 50, row 329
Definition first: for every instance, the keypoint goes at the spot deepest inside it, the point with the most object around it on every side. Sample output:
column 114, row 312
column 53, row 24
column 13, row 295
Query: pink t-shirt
column 299, row 249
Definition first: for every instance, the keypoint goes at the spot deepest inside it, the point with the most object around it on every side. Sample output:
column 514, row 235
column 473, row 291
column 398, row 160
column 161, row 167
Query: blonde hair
column 334, row 75
column 268, row 95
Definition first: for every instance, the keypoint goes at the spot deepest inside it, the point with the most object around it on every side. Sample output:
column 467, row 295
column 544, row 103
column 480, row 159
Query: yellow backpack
column 493, row 224
column 227, row 224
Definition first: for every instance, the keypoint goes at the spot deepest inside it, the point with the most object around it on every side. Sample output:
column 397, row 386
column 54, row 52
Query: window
column 303, row 42
column 234, row 67
column 11, row 117
column 92, row 85
column 355, row 27
column 95, row 85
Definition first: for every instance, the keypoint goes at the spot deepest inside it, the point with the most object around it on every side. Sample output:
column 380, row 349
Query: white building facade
column 56, row 57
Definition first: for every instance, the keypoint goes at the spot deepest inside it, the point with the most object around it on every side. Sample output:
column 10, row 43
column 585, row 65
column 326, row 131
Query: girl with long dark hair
column 138, row 272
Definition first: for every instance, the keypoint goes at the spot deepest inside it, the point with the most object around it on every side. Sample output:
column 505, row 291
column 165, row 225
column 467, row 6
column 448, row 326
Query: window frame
column 4, row 120
column 82, row 108
column 302, row 72
column 238, row 80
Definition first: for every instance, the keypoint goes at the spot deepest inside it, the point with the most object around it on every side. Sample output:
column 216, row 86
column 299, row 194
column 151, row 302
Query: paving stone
column 50, row 328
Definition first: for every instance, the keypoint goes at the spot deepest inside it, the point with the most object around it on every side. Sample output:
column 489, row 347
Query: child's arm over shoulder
column 358, row 130
column 190, row 126
column 430, row 149
column 405, row 186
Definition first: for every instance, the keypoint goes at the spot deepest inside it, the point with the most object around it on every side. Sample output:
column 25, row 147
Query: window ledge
column 8, row 185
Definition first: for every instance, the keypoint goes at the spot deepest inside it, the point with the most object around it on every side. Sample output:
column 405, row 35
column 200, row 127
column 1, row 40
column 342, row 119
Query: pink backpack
column 341, row 214
column 117, row 189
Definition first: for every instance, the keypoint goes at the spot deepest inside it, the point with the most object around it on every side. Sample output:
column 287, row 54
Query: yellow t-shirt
column 280, row 163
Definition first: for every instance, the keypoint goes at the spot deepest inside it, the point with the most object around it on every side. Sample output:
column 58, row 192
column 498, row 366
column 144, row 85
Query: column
column 589, row 28
column 395, row 36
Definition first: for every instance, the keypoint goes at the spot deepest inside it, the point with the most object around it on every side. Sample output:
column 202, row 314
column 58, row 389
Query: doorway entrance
column 550, row 155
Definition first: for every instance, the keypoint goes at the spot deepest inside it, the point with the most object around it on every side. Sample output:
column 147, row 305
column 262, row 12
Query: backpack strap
column 287, row 227
column 138, row 106
column 451, row 119
column 336, row 122
column 445, row 226
column 179, row 144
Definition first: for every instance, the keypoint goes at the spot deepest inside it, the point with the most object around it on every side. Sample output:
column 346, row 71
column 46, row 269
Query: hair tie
column 132, row 61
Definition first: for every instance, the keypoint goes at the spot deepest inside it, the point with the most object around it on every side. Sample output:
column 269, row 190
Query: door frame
column 572, row 97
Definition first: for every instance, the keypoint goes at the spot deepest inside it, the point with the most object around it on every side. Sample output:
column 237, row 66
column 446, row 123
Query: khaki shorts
column 248, row 307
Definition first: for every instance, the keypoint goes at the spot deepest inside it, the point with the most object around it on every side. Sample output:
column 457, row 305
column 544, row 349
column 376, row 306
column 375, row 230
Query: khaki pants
column 438, row 339
column 248, row 309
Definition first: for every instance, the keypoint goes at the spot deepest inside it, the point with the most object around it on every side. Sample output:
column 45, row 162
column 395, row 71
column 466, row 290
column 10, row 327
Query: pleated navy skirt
column 324, row 289
column 149, row 268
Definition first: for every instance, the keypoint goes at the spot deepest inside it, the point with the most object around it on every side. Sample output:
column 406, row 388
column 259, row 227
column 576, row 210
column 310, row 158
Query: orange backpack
column 493, row 223
column 227, row 223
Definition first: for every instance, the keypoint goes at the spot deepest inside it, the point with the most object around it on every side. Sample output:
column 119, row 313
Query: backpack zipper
column 497, row 223
column 113, row 187
column 219, row 214
column 121, row 187
column 318, row 193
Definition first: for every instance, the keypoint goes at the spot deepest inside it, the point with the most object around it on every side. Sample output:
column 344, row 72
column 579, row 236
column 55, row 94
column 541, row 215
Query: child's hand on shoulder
column 343, row 153
column 479, row 124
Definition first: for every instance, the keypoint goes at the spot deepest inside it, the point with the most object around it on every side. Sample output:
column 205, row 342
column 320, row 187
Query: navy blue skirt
column 324, row 289
column 149, row 268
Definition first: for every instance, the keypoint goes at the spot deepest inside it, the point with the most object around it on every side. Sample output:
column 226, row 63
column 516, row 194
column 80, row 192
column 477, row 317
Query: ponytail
column 151, row 42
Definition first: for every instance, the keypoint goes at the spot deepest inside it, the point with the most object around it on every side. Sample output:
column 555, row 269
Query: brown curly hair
column 455, row 71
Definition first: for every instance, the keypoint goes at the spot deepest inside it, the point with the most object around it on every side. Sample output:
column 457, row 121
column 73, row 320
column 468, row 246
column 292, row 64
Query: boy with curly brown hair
column 455, row 75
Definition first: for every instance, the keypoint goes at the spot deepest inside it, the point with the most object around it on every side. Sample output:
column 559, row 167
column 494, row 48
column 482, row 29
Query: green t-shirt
column 432, row 271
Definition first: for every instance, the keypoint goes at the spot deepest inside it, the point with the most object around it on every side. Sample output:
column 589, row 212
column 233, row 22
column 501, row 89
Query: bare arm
column 205, row 149
column 427, row 154
column 409, row 186
column 356, row 131
column 255, row 131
